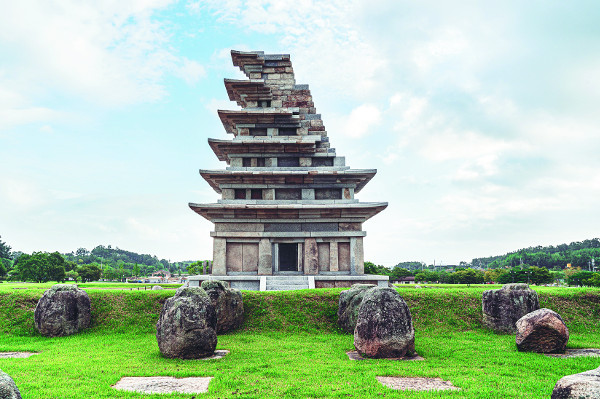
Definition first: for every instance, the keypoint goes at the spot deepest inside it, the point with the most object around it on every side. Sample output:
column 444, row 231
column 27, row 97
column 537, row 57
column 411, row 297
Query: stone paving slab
column 417, row 384
column 219, row 354
column 19, row 355
column 354, row 355
column 591, row 352
column 163, row 384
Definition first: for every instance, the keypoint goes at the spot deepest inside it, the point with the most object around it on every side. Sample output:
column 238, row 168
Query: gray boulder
column 63, row 310
column 349, row 304
column 542, row 331
column 584, row 385
column 228, row 304
column 8, row 388
column 157, row 288
column 384, row 326
column 502, row 308
column 187, row 325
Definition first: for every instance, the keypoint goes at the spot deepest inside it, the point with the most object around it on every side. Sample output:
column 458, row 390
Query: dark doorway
column 288, row 257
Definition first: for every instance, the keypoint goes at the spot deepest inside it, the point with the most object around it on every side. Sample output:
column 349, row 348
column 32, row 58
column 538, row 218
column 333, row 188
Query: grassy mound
column 310, row 311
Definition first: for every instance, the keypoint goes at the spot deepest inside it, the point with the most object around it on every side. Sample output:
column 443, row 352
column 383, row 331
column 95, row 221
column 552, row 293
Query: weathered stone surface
column 157, row 288
column 187, row 325
column 311, row 256
column 348, row 306
column 8, row 388
column 228, row 304
column 384, row 327
column 584, row 385
column 502, row 308
column 542, row 331
column 63, row 310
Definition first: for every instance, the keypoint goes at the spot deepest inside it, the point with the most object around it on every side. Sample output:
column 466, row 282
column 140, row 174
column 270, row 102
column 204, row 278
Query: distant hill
column 579, row 254
column 120, row 258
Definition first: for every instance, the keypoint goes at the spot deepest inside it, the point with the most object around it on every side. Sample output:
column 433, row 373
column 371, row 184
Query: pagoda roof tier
column 264, row 145
column 357, row 177
column 363, row 211
column 243, row 58
column 271, row 116
column 242, row 91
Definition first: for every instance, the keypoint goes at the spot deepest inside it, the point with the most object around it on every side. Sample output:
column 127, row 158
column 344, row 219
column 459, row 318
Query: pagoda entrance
column 288, row 257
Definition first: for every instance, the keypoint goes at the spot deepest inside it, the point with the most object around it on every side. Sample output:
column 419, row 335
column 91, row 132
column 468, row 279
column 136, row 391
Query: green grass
column 289, row 346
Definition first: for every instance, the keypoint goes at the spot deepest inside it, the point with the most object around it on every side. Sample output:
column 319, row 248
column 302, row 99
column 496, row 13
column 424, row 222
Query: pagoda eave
column 293, row 144
column 357, row 177
column 268, row 116
column 362, row 211
column 242, row 91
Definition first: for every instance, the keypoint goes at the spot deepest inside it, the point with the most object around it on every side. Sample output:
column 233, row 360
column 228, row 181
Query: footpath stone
column 63, row 310
column 187, row 325
column 348, row 306
column 384, row 326
column 542, row 331
column 8, row 388
column 584, row 385
column 228, row 304
column 503, row 307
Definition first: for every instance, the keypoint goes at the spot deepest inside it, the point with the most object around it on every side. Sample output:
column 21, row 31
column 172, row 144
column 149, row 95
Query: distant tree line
column 579, row 254
column 82, row 265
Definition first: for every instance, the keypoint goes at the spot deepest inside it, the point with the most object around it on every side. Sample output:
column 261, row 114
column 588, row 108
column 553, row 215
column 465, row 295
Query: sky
column 480, row 117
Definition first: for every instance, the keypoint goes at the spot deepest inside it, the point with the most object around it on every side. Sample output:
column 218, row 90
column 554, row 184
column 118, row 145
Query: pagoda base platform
column 291, row 281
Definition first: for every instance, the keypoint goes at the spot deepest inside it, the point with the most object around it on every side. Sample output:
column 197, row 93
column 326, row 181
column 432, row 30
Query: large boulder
column 349, row 304
column 157, row 288
column 384, row 326
column 542, row 331
column 187, row 327
column 228, row 304
column 8, row 388
column 502, row 308
column 63, row 310
column 584, row 385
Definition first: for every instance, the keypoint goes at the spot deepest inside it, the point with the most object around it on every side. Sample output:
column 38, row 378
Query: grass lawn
column 289, row 346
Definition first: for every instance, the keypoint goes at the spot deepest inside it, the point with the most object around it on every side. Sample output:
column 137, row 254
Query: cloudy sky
column 481, row 118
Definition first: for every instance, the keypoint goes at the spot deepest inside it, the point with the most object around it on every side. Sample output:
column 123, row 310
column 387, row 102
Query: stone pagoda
column 287, row 217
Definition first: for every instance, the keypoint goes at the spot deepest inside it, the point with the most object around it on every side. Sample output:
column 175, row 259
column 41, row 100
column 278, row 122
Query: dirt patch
column 16, row 355
column 417, row 384
column 354, row 355
column 163, row 384
column 591, row 352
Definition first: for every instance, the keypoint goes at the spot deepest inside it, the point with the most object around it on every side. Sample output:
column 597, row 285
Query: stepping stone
column 219, row 354
column 417, row 384
column 591, row 352
column 354, row 355
column 20, row 355
column 163, row 384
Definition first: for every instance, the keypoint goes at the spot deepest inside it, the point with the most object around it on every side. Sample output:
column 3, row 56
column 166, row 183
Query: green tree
column 91, row 272
column 400, row 272
column 40, row 267
column 136, row 270
column 4, row 250
column 540, row 275
column 72, row 274
column 469, row 276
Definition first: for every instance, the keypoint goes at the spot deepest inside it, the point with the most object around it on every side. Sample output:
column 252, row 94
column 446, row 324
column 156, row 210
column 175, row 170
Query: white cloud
column 362, row 120
column 105, row 52
column 191, row 71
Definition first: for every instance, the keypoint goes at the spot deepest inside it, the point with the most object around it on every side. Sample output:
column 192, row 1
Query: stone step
column 288, row 282
column 282, row 287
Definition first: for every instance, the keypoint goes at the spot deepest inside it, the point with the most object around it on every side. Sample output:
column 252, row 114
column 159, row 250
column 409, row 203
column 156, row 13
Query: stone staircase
column 280, row 283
